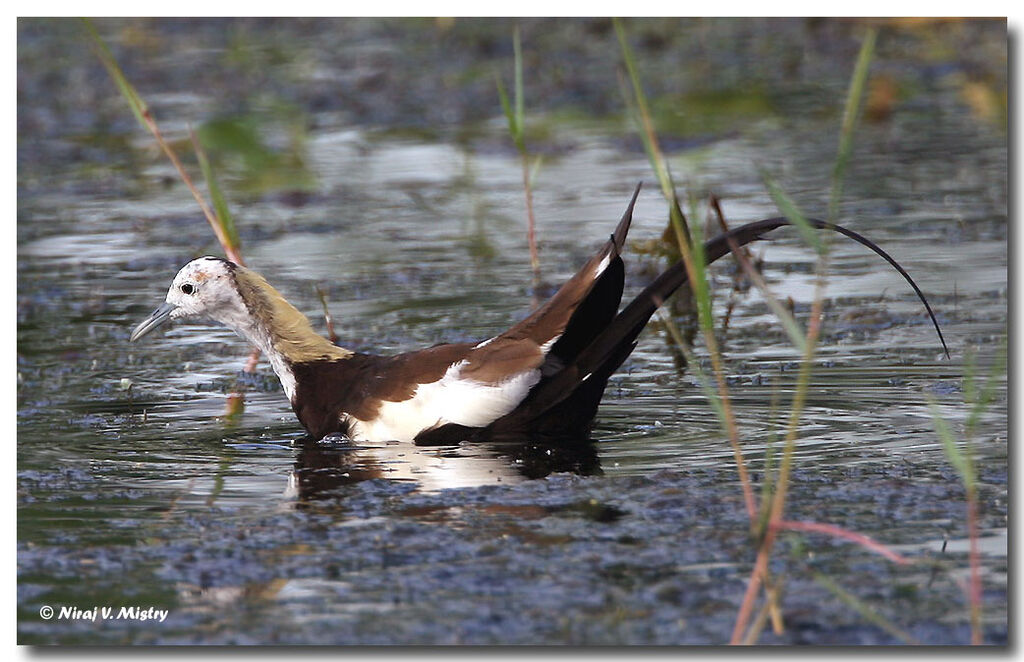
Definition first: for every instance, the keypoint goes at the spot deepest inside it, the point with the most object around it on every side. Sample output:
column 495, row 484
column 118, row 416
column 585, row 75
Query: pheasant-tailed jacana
column 543, row 377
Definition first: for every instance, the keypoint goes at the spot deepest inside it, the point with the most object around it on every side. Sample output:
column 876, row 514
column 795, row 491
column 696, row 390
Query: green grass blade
column 703, row 381
column 865, row 611
column 142, row 113
column 979, row 402
column 797, row 335
column 850, row 114
column 770, row 451
column 513, row 108
column 135, row 102
column 642, row 112
column 694, row 265
column 789, row 323
column 506, row 106
column 960, row 459
column 220, row 204
column 795, row 216
column 535, row 167
column 519, row 100
column 701, row 288
column 970, row 367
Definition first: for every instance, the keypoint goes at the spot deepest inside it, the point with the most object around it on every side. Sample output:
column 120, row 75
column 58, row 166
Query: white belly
column 451, row 399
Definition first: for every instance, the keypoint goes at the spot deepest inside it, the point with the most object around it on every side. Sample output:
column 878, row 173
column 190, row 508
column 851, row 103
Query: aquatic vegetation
column 219, row 218
column 223, row 228
column 655, row 551
column 238, row 142
column 516, row 117
column 962, row 459
column 767, row 518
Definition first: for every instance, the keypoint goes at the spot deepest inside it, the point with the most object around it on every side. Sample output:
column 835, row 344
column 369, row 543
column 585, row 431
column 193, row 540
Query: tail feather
column 600, row 305
column 612, row 346
column 552, row 319
column 619, row 236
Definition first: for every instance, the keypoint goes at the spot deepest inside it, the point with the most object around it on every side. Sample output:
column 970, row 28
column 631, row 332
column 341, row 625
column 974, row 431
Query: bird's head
column 204, row 288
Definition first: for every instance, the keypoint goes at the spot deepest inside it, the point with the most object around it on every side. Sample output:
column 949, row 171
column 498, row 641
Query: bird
column 542, row 378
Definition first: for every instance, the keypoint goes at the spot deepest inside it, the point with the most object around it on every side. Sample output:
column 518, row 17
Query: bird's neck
column 279, row 330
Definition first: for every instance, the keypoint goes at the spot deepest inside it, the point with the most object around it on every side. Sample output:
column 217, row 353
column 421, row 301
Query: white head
column 213, row 288
column 204, row 288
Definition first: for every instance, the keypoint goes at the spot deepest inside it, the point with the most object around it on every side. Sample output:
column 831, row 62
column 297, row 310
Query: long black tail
column 644, row 305
column 577, row 389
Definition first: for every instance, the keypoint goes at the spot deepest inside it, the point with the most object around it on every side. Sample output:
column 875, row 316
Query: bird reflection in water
column 324, row 467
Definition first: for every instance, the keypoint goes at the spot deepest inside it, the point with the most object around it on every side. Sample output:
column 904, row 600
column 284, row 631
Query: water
column 135, row 488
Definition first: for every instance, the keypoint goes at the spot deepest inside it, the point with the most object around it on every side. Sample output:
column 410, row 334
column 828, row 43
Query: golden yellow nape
column 291, row 333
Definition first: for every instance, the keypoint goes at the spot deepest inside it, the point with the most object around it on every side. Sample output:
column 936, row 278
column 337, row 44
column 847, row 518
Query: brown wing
column 548, row 338
column 357, row 385
column 554, row 334
column 576, row 313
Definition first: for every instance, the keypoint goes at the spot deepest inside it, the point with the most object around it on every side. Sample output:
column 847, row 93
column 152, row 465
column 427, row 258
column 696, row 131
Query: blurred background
column 371, row 158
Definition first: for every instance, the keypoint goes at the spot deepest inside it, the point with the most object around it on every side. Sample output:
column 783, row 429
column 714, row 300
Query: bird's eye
column 188, row 288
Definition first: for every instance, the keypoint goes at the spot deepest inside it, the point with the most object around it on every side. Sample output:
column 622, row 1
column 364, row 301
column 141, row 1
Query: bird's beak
column 159, row 316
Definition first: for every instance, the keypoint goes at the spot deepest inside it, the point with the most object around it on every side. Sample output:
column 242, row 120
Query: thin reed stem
column 850, row 114
column 222, row 226
column 328, row 320
column 693, row 260
column 145, row 116
column 839, row 532
column 785, row 467
column 516, row 116
column 742, row 256
column 974, row 561
column 864, row 610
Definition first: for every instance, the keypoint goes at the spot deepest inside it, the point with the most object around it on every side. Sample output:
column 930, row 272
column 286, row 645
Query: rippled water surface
column 401, row 197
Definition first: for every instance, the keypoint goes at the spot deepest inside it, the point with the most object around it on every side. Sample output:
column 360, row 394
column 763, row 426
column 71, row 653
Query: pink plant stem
column 839, row 532
column 975, row 563
column 254, row 358
column 753, row 584
column 531, row 233
column 779, row 500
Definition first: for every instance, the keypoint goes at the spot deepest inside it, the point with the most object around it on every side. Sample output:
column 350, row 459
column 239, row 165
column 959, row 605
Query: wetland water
column 384, row 174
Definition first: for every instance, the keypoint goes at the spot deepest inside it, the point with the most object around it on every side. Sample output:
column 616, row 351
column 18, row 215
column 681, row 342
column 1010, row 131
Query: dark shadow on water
column 539, row 459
